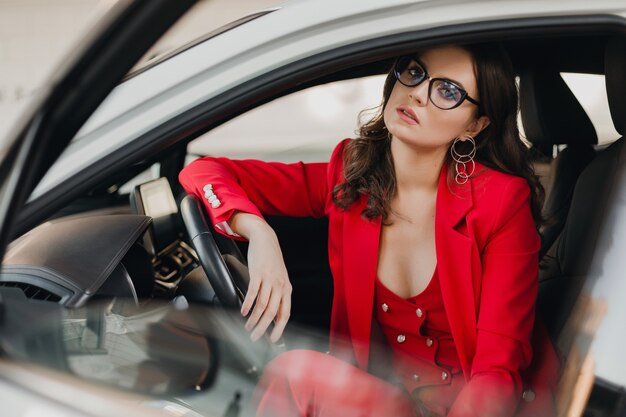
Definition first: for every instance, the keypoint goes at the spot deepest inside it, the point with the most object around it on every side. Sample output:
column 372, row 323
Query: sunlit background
column 36, row 35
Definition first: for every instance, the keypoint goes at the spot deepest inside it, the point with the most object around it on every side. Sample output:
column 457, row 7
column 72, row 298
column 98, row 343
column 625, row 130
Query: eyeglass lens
column 443, row 93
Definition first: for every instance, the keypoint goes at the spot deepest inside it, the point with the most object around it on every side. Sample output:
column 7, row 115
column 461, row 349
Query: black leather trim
column 550, row 112
column 195, row 287
column 77, row 253
column 615, row 78
column 568, row 165
column 566, row 266
column 211, row 259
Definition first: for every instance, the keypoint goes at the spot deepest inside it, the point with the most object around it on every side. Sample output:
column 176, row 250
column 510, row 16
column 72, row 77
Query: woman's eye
column 449, row 91
column 415, row 71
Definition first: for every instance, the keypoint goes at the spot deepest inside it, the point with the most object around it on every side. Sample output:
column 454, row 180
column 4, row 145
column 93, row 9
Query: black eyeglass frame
column 464, row 96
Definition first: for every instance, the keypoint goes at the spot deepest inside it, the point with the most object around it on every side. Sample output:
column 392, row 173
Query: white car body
column 287, row 34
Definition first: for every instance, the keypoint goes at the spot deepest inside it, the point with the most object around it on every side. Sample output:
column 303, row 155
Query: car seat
column 567, row 263
column 551, row 115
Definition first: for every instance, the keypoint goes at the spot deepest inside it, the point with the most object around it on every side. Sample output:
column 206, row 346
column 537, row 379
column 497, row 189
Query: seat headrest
column 551, row 114
column 615, row 78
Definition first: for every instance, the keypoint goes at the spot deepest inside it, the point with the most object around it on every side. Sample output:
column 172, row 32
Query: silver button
column 419, row 312
column 385, row 307
column 208, row 187
column 429, row 342
column 401, row 338
column 216, row 203
column 444, row 375
column 415, row 377
column 528, row 395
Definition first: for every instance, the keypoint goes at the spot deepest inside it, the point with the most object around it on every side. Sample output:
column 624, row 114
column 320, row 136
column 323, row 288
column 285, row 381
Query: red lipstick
column 408, row 115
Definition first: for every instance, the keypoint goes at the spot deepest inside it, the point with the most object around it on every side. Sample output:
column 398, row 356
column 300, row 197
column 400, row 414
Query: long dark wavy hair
column 368, row 164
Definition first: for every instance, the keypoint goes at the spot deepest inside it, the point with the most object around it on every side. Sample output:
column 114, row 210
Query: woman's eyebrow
column 419, row 61
column 459, row 84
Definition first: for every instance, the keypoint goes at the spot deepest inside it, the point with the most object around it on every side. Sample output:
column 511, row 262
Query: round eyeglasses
column 443, row 93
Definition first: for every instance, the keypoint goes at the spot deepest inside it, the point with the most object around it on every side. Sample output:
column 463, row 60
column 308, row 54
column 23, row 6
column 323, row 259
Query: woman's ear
column 477, row 126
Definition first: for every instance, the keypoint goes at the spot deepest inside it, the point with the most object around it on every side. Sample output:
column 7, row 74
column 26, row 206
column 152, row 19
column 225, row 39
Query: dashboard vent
column 32, row 291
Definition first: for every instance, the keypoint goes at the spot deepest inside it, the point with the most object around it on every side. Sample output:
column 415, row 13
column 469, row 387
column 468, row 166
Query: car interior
column 138, row 245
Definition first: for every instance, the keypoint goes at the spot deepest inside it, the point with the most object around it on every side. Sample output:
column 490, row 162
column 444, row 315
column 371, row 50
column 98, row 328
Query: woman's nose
column 419, row 93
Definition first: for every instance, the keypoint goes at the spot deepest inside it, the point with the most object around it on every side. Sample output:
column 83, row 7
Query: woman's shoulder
column 337, row 154
column 500, row 199
column 495, row 191
column 335, row 165
column 492, row 180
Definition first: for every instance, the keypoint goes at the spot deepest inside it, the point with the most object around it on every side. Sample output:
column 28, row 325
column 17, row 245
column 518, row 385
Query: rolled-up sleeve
column 257, row 187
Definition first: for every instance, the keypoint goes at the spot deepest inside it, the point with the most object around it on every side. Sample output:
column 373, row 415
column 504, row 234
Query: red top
column 418, row 332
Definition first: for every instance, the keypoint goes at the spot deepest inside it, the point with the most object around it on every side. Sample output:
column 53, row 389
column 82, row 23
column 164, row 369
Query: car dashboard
column 97, row 295
column 92, row 255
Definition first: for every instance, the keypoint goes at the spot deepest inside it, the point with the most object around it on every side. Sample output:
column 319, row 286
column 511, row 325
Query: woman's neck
column 416, row 170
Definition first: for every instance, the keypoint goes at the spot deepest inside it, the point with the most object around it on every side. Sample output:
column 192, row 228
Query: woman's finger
column 268, row 315
column 282, row 317
column 253, row 289
column 262, row 301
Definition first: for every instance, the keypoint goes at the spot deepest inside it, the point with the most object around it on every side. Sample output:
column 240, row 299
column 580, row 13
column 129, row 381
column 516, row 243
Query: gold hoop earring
column 463, row 161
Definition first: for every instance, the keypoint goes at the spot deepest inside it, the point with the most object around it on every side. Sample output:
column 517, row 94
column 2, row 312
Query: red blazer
column 486, row 245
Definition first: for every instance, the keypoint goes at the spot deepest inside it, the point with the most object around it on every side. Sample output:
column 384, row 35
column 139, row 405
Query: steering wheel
column 226, row 269
column 219, row 256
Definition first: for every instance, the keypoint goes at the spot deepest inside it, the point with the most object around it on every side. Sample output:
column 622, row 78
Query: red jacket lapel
column 454, row 262
column 361, row 238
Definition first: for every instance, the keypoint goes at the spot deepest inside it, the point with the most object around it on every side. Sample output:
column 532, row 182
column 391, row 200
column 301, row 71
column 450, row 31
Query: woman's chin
column 421, row 144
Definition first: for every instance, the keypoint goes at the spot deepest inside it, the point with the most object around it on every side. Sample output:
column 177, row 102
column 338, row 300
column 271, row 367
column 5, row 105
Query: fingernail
column 254, row 337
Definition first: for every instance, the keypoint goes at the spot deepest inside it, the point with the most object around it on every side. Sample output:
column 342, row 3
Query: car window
column 304, row 126
column 327, row 113
column 151, row 173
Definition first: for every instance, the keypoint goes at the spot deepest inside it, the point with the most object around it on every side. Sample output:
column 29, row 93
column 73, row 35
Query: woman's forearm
column 249, row 225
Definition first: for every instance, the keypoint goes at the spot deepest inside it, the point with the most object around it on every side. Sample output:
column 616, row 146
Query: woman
column 432, row 239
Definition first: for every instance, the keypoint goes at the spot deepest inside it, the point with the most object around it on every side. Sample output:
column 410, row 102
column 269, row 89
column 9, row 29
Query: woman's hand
column 269, row 289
